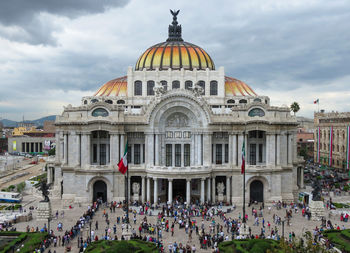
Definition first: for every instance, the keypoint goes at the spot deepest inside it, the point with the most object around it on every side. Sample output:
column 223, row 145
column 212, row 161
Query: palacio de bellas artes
column 187, row 125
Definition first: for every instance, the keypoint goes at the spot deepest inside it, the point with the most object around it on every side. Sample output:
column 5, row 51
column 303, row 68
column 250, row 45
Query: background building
column 185, row 123
column 29, row 139
column 331, row 138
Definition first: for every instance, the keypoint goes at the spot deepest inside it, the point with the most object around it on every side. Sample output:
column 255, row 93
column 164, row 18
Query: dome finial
column 174, row 28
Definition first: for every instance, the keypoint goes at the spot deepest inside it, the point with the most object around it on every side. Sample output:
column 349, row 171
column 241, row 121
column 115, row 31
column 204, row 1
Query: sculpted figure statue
column 44, row 188
column 221, row 188
column 316, row 192
column 136, row 188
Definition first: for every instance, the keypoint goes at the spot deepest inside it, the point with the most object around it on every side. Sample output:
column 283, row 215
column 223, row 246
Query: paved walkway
column 298, row 224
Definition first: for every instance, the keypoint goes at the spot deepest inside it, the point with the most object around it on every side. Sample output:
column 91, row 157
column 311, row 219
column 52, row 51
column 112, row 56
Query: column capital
column 203, row 179
column 170, row 179
column 188, row 179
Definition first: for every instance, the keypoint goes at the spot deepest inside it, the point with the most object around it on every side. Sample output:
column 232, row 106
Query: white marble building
column 185, row 122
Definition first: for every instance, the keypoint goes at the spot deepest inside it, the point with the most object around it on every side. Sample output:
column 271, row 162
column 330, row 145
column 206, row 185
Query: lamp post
column 283, row 228
column 90, row 232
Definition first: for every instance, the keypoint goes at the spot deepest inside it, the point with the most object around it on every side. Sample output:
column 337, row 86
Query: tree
column 294, row 107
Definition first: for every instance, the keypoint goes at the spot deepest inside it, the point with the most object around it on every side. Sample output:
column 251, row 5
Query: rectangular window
column 103, row 154
column 187, row 154
column 226, row 153
column 218, row 154
column 137, row 154
column 94, row 153
column 168, row 155
column 143, row 153
column 252, row 154
column 177, row 155
column 260, row 153
column 129, row 154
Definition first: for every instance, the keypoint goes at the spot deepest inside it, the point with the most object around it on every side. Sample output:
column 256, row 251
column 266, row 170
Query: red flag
column 123, row 163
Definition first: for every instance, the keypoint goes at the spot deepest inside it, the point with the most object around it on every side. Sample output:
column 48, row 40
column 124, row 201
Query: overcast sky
column 54, row 52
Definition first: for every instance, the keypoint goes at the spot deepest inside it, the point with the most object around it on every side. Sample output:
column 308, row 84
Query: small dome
column 235, row 87
column 175, row 55
column 116, row 87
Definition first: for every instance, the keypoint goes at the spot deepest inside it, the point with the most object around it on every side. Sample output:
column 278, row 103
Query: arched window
column 256, row 112
column 230, row 101
column 202, row 85
column 265, row 101
column 120, row 102
column 164, row 84
column 150, row 86
column 188, row 85
column 257, row 100
column 242, row 101
column 109, row 101
column 94, row 100
column 85, row 102
column 100, row 112
column 213, row 88
column 138, row 88
column 176, row 84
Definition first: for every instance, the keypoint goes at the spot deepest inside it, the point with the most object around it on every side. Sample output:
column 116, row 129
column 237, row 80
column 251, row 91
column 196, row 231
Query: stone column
column 213, row 190
column 240, row 143
column 202, row 190
column 66, row 148
column 155, row 200
column 148, row 189
column 199, row 149
column 157, row 150
column 234, row 149
column 143, row 189
column 283, row 149
column 49, row 175
column 182, row 155
column 188, row 191
column 170, row 190
column 193, row 150
column 302, row 178
column 290, row 148
column 208, row 190
column 73, row 151
column 85, row 149
column 228, row 189
column 122, row 145
column 173, row 155
column 207, row 149
column 230, row 146
column 114, row 148
column 278, row 150
column 149, row 152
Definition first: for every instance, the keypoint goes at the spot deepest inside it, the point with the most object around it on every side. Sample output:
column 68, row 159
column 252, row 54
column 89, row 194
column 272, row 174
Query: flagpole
column 244, row 184
column 127, row 198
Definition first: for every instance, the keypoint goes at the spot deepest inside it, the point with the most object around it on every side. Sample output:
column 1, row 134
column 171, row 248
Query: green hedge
column 31, row 241
column 340, row 238
column 131, row 246
column 341, row 205
column 249, row 245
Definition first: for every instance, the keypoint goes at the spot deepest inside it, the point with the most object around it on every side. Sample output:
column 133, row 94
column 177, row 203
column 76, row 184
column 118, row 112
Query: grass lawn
column 30, row 241
column 248, row 245
column 131, row 246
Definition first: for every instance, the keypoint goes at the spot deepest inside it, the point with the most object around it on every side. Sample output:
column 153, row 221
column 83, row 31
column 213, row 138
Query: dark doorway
column 100, row 191
column 179, row 190
column 256, row 191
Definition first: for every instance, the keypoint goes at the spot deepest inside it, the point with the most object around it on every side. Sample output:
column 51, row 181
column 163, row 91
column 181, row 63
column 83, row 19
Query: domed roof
column 174, row 53
column 235, row 87
column 114, row 88
column 118, row 88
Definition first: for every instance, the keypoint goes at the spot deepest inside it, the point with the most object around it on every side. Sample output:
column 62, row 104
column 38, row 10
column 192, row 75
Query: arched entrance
column 256, row 191
column 99, row 191
column 179, row 190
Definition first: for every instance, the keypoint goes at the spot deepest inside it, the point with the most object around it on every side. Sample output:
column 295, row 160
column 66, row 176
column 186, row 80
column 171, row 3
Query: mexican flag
column 123, row 163
column 317, row 101
column 243, row 158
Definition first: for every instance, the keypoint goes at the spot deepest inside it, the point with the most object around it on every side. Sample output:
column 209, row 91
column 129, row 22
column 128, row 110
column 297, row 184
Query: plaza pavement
column 298, row 224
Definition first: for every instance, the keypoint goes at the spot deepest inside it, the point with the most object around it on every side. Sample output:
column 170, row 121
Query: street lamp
column 283, row 228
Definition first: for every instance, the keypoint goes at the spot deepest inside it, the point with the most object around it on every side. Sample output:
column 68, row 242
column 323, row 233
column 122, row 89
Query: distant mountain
column 37, row 122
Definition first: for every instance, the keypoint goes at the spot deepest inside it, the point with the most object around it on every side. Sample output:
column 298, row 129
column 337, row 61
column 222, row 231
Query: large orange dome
column 175, row 55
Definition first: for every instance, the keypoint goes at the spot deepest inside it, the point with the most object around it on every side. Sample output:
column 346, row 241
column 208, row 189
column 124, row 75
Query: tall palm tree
column 294, row 107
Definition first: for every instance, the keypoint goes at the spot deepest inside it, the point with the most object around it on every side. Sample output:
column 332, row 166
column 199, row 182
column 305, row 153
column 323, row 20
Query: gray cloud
column 25, row 21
